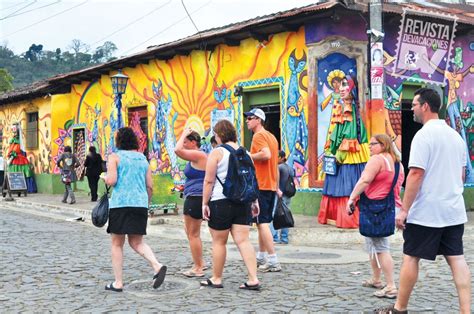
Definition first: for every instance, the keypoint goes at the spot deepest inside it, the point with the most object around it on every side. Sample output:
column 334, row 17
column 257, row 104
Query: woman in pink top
column 376, row 181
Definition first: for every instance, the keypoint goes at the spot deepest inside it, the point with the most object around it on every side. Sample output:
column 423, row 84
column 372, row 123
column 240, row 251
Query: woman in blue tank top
column 187, row 148
column 130, row 175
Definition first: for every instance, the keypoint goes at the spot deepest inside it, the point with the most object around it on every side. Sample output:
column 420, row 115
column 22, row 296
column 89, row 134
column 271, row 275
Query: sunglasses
column 251, row 118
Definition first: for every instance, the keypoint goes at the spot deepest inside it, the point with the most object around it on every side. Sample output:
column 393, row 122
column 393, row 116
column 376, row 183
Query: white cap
column 255, row 112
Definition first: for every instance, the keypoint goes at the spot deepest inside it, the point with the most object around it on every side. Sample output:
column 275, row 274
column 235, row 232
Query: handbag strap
column 395, row 177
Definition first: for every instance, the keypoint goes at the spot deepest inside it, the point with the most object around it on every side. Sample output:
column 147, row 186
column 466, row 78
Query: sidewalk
column 307, row 231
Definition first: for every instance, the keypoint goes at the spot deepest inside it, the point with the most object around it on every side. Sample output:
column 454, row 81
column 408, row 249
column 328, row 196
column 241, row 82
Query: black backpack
column 240, row 184
column 290, row 188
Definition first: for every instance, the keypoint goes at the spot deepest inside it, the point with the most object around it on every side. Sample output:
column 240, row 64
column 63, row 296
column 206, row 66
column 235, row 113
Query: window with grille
column 32, row 130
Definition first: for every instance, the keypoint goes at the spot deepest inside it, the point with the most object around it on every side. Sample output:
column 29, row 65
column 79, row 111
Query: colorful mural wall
column 458, row 93
column 40, row 158
column 185, row 91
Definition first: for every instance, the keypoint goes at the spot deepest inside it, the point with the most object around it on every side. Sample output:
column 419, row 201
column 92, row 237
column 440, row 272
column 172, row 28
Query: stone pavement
column 50, row 262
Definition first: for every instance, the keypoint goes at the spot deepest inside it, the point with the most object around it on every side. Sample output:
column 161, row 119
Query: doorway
column 267, row 99
column 138, row 121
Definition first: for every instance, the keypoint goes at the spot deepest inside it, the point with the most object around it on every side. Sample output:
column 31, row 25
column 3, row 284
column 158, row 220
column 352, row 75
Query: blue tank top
column 194, row 181
column 130, row 189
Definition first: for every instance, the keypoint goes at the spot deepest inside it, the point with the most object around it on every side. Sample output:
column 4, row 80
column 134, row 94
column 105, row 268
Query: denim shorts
column 267, row 203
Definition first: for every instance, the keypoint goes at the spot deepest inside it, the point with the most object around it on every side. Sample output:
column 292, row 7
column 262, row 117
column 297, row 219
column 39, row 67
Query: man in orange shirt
column 264, row 152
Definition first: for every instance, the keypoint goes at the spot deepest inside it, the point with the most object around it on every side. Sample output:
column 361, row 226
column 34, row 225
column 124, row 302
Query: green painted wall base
column 306, row 203
column 303, row 203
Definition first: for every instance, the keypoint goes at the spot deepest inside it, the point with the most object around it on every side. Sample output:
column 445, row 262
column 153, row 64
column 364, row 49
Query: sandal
column 246, row 286
column 191, row 274
column 111, row 287
column 389, row 293
column 371, row 283
column 210, row 284
column 159, row 277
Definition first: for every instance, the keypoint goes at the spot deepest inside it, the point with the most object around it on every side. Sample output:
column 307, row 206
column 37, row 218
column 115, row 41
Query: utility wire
column 204, row 44
column 168, row 27
column 131, row 23
column 12, row 6
column 21, row 13
column 50, row 17
column 12, row 14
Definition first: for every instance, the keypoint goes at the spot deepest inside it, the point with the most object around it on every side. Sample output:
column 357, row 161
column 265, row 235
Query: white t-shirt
column 2, row 167
column 441, row 152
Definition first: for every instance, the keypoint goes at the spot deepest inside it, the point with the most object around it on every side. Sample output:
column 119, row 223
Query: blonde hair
column 387, row 144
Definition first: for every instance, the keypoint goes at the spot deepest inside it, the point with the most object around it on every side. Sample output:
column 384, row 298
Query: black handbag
column 100, row 212
column 283, row 217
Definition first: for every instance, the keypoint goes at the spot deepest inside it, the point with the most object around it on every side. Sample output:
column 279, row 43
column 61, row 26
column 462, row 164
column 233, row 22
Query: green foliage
column 5, row 81
column 36, row 63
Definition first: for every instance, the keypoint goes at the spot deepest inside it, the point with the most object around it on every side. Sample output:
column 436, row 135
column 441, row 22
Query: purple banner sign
column 424, row 46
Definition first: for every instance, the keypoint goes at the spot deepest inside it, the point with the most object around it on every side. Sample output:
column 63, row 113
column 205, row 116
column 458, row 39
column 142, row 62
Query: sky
column 133, row 25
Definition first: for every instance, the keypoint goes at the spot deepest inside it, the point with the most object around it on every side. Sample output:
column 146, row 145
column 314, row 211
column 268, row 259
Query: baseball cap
column 256, row 112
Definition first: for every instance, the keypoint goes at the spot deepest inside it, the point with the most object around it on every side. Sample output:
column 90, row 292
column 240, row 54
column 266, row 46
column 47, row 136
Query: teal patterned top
column 130, row 189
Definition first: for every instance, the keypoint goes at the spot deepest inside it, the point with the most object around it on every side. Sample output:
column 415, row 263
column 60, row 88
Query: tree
column 6, row 81
column 78, row 46
column 105, row 52
column 34, row 53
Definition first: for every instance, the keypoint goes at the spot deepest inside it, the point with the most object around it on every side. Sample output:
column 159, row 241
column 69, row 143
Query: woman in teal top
column 130, row 175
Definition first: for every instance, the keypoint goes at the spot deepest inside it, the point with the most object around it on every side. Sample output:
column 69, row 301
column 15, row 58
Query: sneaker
column 261, row 262
column 269, row 268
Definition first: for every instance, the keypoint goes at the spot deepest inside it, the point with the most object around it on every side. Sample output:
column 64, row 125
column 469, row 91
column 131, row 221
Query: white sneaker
column 270, row 268
column 261, row 261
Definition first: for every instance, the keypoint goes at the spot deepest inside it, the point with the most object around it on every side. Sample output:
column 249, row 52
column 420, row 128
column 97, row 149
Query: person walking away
column 67, row 163
column 376, row 181
column 433, row 212
column 2, row 169
column 286, row 173
column 93, row 166
column 129, row 173
column 264, row 152
column 187, row 148
column 225, row 216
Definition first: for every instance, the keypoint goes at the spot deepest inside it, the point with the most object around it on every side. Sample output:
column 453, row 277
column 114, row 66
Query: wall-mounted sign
column 424, row 46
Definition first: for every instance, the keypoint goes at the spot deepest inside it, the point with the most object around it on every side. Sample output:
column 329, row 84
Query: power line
column 12, row 6
column 44, row 6
column 9, row 15
column 133, row 22
column 50, row 17
column 168, row 27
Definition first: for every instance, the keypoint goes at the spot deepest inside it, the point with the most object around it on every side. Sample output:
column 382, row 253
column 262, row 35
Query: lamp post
column 119, row 85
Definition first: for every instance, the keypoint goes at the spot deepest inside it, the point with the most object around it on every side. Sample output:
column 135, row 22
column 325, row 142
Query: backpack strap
column 231, row 150
column 395, row 177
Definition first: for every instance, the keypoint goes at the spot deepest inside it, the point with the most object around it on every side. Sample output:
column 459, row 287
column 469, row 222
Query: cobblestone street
column 50, row 264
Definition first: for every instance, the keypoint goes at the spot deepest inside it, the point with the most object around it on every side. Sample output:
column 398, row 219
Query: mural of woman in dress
column 17, row 161
column 346, row 141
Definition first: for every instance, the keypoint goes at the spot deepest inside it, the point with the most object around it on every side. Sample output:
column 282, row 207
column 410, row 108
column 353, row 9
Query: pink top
column 380, row 186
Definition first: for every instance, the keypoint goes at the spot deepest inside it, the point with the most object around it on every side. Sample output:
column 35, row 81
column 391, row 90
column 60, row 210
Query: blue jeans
column 282, row 234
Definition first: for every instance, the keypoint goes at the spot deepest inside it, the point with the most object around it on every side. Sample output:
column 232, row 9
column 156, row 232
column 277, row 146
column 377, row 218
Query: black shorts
column 128, row 220
column 267, row 202
column 427, row 242
column 224, row 214
column 193, row 206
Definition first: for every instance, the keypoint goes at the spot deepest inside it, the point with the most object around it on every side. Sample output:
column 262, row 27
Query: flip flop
column 246, row 286
column 159, row 277
column 210, row 284
column 111, row 287
column 192, row 274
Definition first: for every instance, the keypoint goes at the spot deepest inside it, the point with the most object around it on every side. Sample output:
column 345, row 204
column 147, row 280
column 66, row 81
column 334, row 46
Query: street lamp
column 119, row 85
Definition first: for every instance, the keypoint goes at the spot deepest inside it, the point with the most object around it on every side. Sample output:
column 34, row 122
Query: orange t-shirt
column 266, row 170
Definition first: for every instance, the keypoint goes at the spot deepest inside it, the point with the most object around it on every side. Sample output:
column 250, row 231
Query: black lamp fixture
column 119, row 83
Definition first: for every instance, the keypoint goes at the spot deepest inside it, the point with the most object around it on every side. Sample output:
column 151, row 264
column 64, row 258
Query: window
column 32, row 130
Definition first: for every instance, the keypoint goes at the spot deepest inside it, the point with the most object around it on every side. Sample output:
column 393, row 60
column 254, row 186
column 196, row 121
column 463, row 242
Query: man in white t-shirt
column 433, row 211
